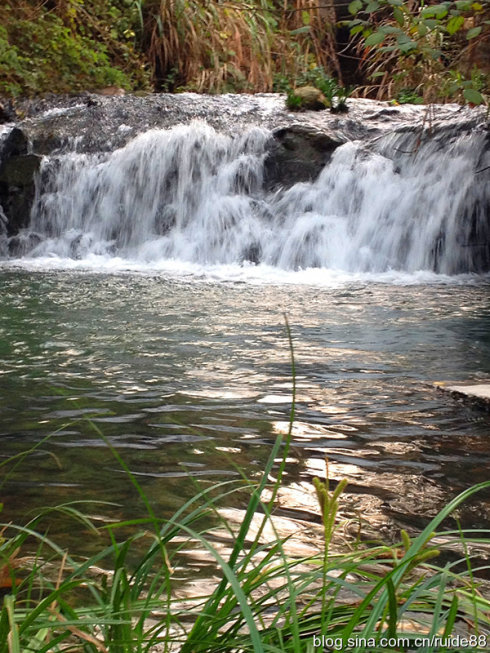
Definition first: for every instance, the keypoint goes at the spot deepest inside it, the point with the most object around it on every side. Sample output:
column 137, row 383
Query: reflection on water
column 194, row 378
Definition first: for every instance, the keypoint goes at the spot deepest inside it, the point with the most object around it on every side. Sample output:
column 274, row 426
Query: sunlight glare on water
column 194, row 377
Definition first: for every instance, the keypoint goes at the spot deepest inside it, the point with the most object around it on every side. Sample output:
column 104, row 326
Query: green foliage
column 53, row 60
column 431, row 48
column 329, row 504
column 208, row 45
column 321, row 80
column 473, row 88
column 293, row 101
column 78, row 48
column 281, row 83
column 266, row 599
column 334, row 95
column 409, row 96
column 211, row 46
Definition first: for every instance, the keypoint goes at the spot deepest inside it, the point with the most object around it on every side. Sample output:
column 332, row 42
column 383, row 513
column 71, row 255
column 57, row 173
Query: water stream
column 195, row 195
column 151, row 297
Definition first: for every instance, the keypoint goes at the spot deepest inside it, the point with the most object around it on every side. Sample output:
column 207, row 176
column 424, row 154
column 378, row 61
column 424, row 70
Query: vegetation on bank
column 125, row 598
column 407, row 50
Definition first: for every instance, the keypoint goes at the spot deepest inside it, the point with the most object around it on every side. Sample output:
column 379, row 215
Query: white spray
column 195, row 195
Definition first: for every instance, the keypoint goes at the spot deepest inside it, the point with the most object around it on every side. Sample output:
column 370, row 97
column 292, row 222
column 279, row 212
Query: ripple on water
column 194, row 378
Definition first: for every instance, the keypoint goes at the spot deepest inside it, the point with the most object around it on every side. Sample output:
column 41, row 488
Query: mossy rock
column 307, row 98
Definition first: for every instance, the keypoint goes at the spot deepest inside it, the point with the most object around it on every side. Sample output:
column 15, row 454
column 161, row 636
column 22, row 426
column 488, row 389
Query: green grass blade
column 13, row 635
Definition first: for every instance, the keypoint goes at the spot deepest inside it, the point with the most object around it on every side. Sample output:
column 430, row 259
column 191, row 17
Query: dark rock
column 298, row 153
column 22, row 244
column 47, row 142
column 384, row 114
column 253, row 253
column 17, row 189
column 341, row 107
column 19, row 170
column 3, row 234
column 16, row 144
column 7, row 113
column 92, row 102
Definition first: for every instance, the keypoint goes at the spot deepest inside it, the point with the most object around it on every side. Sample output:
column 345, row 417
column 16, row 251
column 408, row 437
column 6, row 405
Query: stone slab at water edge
column 477, row 393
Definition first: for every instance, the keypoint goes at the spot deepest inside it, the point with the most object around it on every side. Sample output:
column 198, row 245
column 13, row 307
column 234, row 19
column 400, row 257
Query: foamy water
column 190, row 200
column 245, row 273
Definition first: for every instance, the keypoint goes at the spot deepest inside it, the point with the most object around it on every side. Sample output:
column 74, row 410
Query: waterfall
column 193, row 194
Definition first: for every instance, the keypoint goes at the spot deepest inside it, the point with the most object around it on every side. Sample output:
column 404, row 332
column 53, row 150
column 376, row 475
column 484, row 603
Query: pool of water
column 191, row 377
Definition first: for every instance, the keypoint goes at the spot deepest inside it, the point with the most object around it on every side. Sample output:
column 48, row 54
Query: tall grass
column 124, row 599
column 237, row 46
column 202, row 45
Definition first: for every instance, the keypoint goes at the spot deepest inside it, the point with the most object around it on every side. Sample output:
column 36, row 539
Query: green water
column 191, row 378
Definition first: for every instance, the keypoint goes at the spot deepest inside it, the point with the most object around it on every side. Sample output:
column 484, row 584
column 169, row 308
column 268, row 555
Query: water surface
column 190, row 377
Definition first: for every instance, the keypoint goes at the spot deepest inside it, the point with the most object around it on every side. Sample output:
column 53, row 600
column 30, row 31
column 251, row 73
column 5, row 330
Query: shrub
column 437, row 50
column 41, row 51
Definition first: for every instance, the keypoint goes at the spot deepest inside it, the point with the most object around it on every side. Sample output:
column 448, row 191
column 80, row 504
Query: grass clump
column 266, row 600
column 316, row 90
column 125, row 598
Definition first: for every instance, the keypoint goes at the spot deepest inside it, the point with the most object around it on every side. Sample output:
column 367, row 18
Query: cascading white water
column 195, row 195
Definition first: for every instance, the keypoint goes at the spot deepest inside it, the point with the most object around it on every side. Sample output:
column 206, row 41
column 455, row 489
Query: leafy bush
column 41, row 51
column 433, row 48
column 408, row 96
column 201, row 45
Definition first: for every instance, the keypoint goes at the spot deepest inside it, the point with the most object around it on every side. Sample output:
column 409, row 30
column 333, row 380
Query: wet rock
column 17, row 189
column 7, row 113
column 22, row 244
column 253, row 254
column 476, row 394
column 384, row 114
column 3, row 234
column 110, row 90
column 16, row 144
column 298, row 153
column 92, row 102
column 48, row 142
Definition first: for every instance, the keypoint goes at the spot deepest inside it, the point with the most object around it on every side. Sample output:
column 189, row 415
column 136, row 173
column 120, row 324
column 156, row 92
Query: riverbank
column 262, row 597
